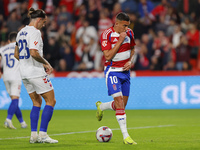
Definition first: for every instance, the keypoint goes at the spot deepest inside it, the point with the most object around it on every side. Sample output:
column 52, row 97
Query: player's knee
column 40, row 102
column 52, row 102
column 37, row 103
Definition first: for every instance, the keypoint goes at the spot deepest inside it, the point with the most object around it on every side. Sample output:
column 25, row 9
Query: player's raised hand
column 122, row 36
column 48, row 68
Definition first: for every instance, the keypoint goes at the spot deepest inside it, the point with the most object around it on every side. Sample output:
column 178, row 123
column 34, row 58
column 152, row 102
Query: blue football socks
column 12, row 108
column 46, row 117
column 34, row 116
column 18, row 114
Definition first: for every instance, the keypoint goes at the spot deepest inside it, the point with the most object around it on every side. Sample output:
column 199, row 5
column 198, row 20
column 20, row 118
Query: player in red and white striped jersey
column 109, row 39
column 117, row 44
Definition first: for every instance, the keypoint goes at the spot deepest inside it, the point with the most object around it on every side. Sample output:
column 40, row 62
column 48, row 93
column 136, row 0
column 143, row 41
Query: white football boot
column 46, row 139
column 8, row 124
column 33, row 139
column 23, row 124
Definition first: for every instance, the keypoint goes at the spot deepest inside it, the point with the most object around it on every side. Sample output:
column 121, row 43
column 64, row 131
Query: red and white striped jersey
column 108, row 40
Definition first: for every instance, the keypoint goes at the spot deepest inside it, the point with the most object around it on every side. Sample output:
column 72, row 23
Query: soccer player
column 117, row 44
column 12, row 81
column 29, row 52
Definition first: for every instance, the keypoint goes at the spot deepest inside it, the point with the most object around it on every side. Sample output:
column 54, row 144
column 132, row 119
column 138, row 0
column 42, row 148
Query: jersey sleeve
column 34, row 41
column 131, row 34
column 105, row 42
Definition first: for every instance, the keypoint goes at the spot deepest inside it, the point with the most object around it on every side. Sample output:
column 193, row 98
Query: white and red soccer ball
column 104, row 134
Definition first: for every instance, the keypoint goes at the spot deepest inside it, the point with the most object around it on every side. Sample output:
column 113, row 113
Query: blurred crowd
column 166, row 31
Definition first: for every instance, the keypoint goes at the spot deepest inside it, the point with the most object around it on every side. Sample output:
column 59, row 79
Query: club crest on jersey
column 104, row 43
column 35, row 43
column 114, row 87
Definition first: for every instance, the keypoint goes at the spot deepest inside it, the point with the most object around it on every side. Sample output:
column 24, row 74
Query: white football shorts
column 39, row 85
column 13, row 87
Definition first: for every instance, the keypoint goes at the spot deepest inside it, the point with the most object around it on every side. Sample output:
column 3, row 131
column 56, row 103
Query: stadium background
column 165, row 74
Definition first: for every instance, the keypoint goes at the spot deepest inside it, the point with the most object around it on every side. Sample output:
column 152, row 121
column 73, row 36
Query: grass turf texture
column 182, row 132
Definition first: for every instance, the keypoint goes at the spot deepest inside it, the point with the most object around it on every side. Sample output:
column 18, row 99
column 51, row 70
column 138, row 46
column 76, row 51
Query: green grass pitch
column 76, row 129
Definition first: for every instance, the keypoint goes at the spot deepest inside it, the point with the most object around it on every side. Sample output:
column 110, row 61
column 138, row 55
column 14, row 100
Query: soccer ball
column 104, row 134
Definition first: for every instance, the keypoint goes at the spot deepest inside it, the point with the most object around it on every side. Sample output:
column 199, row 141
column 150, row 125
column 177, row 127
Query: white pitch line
column 145, row 127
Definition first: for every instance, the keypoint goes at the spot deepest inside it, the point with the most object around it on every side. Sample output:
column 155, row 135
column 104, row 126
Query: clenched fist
column 122, row 36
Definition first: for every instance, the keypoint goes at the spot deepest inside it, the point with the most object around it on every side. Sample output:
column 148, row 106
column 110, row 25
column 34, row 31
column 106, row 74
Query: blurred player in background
column 29, row 52
column 117, row 44
column 12, row 81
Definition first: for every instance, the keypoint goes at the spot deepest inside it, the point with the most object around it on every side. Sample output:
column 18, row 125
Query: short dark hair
column 122, row 16
column 39, row 13
column 12, row 36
